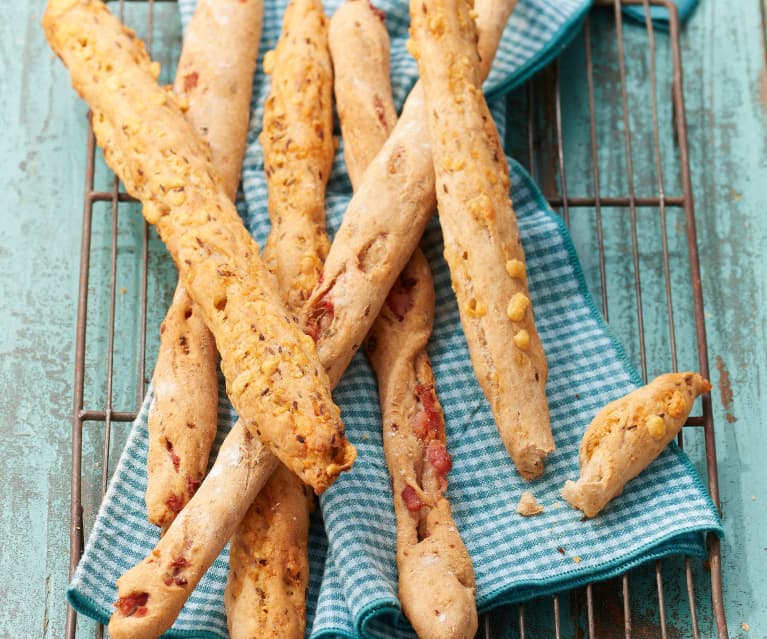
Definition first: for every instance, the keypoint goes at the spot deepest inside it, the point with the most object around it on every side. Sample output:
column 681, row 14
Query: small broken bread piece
column 528, row 505
column 628, row 434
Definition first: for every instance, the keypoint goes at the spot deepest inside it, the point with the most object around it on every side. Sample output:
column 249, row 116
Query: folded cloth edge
column 559, row 42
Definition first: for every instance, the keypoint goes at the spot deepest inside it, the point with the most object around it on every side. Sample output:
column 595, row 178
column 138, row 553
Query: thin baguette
column 297, row 137
column 628, row 434
column 384, row 221
column 274, row 379
column 215, row 76
column 265, row 593
column 482, row 243
column 435, row 570
column 181, row 425
column 217, row 82
column 359, row 46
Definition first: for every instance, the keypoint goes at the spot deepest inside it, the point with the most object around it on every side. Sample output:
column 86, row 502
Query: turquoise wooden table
column 43, row 159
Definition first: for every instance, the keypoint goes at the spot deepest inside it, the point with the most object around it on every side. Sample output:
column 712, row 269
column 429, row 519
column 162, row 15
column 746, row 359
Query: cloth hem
column 560, row 41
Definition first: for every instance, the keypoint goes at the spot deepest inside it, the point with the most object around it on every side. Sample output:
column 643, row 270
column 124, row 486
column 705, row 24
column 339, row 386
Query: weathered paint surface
column 42, row 157
column 725, row 77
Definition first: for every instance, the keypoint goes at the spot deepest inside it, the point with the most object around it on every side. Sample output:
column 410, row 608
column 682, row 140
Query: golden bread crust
column 628, row 434
column 297, row 137
column 265, row 593
column 482, row 243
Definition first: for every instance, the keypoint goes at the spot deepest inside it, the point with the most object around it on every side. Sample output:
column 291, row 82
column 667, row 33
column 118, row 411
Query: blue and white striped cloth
column 353, row 574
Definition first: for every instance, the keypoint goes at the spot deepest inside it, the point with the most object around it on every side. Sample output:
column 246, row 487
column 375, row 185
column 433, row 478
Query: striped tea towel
column 353, row 575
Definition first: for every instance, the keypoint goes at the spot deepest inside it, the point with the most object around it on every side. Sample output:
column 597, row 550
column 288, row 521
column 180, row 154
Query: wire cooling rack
column 604, row 134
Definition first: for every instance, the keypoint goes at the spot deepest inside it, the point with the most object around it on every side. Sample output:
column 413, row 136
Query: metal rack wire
column 117, row 282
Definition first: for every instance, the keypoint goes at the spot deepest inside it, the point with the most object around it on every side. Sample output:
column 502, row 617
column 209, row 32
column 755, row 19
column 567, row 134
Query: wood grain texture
column 41, row 160
column 42, row 157
column 725, row 79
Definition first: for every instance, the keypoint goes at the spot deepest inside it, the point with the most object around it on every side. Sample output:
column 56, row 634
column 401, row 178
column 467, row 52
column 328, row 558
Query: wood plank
column 40, row 183
column 724, row 81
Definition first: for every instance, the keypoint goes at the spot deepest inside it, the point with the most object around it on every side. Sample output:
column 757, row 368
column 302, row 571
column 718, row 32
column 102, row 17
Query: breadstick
column 436, row 578
column 181, row 424
column 274, row 379
column 628, row 434
column 265, row 594
column 215, row 75
column 152, row 594
column 359, row 46
column 298, row 143
column 482, row 243
column 435, row 571
column 384, row 221
column 217, row 81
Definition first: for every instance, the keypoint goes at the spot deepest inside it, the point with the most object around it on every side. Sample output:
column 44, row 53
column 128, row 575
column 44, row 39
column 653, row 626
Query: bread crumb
column 528, row 505
column 745, row 626
column 576, row 559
